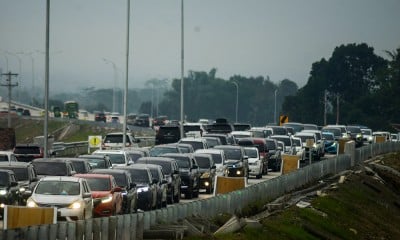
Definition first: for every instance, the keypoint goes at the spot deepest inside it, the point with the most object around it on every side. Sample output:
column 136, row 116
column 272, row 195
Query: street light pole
column 276, row 90
column 126, row 71
column 182, row 68
column 237, row 101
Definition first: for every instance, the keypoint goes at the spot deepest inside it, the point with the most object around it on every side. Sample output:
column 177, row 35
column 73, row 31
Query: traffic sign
column 94, row 141
column 283, row 119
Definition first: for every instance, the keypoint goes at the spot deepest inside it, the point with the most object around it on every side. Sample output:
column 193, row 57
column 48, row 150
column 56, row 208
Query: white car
column 70, row 195
column 115, row 141
column 117, row 157
column 219, row 158
column 255, row 163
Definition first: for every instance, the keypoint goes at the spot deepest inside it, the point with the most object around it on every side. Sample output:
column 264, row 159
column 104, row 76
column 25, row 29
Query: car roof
column 149, row 165
column 164, row 159
column 209, row 150
column 7, row 171
column 51, row 160
column 15, row 164
column 92, row 175
column 61, row 178
column 108, row 171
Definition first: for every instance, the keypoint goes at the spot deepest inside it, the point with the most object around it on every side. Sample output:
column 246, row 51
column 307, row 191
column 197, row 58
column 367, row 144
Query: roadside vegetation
column 365, row 206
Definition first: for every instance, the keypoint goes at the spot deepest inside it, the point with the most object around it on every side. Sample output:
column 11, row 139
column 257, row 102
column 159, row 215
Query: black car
column 142, row 120
column 168, row 134
column 164, row 148
column 129, row 190
column 97, row 161
column 157, row 173
column 207, row 170
column 356, row 135
column 100, row 117
column 189, row 172
column 27, row 152
column 274, row 154
column 237, row 162
column 25, row 175
column 171, row 170
column 146, row 186
column 81, row 165
column 9, row 189
column 53, row 167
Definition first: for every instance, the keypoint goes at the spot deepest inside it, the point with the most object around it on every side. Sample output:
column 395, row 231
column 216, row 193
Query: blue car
column 331, row 146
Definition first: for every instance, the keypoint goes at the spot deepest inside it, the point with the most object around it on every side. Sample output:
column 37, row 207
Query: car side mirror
column 87, row 195
column 132, row 185
column 213, row 167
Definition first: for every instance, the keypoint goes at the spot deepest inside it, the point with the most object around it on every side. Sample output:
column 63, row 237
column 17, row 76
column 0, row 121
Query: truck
column 71, row 109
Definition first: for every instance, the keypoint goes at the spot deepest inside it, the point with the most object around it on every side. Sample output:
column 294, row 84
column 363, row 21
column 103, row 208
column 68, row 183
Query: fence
column 132, row 226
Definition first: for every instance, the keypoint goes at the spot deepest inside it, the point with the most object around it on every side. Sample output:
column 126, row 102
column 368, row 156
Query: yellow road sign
column 94, row 141
column 283, row 119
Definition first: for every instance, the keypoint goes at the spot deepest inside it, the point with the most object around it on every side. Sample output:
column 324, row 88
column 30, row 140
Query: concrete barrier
column 19, row 216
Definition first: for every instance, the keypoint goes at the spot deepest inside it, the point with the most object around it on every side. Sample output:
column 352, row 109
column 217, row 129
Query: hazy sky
column 276, row 38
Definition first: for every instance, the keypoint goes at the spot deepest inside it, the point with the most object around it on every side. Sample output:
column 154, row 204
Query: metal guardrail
column 132, row 226
column 73, row 149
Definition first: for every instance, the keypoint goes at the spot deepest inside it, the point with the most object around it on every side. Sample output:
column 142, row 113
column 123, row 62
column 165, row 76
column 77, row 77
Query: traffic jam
column 117, row 179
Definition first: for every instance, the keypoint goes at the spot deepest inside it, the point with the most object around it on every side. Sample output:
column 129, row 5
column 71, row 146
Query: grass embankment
column 27, row 129
column 361, row 208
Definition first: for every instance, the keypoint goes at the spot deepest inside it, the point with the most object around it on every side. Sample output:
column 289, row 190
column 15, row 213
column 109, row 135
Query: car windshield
column 366, row 131
column 211, row 142
column 3, row 158
column 157, row 151
column 305, row 137
column 4, row 179
column 166, row 166
column 115, row 138
column 120, row 179
column 251, row 152
column 155, row 173
column 271, row 145
column 328, row 136
column 335, row 131
column 183, row 162
column 203, row 162
column 115, row 158
column 20, row 173
column 217, row 158
column 354, row 129
column 79, row 167
column 99, row 184
column 285, row 140
column 58, row 188
column 135, row 156
column 97, row 163
column 195, row 144
column 50, row 168
column 139, row 175
column 296, row 142
column 26, row 150
column 233, row 154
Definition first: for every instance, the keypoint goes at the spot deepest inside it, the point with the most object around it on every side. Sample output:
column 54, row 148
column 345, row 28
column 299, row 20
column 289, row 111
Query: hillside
column 362, row 203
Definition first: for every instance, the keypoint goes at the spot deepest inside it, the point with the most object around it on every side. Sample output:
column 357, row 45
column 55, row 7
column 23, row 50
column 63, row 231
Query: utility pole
column 9, row 84
column 337, row 109
column 325, row 105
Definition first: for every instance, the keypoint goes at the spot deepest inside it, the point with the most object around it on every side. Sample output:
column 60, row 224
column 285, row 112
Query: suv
column 197, row 143
column 207, row 170
column 53, row 167
column 237, row 161
column 97, row 161
column 27, row 152
column 9, row 188
column 171, row 171
column 100, row 117
column 117, row 157
column 115, row 141
column 129, row 191
column 189, row 172
column 26, row 176
column 168, row 134
column 142, row 120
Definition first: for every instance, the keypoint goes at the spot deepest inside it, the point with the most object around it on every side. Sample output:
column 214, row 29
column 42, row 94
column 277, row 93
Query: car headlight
column 107, row 199
column 75, row 205
column 31, row 203
column 3, row 192
column 205, row 175
column 238, row 172
column 143, row 189
column 22, row 189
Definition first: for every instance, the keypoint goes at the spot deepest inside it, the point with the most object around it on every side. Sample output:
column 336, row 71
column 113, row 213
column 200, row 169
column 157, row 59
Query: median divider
column 19, row 216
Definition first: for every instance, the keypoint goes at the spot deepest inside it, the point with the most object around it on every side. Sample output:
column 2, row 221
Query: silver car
column 70, row 195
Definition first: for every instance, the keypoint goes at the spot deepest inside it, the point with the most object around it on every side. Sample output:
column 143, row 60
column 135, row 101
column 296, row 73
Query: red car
column 106, row 194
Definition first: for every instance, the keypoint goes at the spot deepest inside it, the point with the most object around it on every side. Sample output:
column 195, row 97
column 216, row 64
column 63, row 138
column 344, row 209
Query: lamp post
column 237, row 101
column 276, row 90
column 115, row 82
column 126, row 71
column 182, row 68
